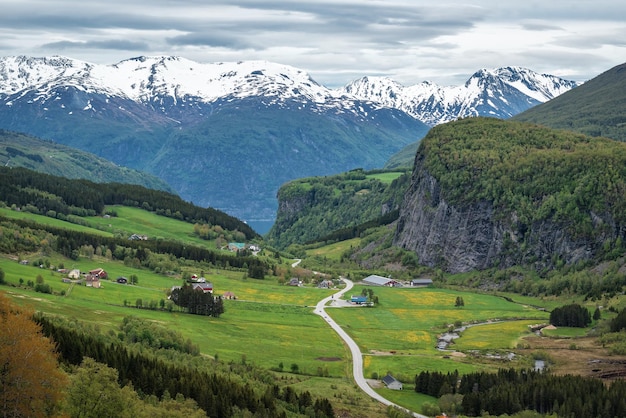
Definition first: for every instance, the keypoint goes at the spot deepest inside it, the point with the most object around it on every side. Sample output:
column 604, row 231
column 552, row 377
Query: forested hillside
column 60, row 197
column 313, row 208
column 536, row 172
column 488, row 192
column 19, row 150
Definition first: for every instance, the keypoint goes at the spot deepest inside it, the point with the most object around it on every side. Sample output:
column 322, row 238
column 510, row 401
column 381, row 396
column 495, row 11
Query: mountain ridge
column 245, row 127
column 434, row 104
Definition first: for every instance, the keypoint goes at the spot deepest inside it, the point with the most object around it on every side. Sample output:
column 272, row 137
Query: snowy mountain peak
column 165, row 81
column 500, row 92
column 143, row 79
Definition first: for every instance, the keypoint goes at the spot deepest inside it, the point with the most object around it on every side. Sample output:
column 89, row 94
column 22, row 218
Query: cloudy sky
column 336, row 41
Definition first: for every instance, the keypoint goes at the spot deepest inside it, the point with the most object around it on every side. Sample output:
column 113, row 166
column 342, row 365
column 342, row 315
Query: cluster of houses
column 91, row 278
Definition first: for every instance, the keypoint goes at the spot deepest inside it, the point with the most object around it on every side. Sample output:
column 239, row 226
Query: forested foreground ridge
column 527, row 194
column 60, row 197
column 103, row 377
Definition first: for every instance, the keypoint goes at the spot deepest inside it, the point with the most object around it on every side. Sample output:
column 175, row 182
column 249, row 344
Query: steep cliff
column 533, row 196
column 313, row 208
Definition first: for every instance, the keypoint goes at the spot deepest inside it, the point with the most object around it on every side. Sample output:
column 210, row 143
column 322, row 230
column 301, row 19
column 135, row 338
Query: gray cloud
column 336, row 41
column 115, row 44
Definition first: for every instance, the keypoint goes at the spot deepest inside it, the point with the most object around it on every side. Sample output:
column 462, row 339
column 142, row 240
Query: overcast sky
column 335, row 41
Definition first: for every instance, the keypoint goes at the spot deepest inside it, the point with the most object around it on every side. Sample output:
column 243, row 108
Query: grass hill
column 596, row 108
column 19, row 150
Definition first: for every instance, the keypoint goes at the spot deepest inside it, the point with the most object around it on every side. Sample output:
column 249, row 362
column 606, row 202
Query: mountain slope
column 487, row 193
column 596, row 108
column 226, row 134
column 18, row 150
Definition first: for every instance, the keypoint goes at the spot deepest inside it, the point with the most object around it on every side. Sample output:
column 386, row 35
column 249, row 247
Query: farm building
column 380, row 281
column 74, row 274
column 359, row 300
column 392, row 383
column 421, row 282
column 325, row 284
column 92, row 281
column 206, row 287
column 99, row 273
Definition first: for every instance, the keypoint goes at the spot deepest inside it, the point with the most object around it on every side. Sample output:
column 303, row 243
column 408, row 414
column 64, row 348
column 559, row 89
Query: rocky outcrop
column 476, row 236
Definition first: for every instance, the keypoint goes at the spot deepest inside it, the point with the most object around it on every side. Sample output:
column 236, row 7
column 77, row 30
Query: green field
column 387, row 177
column 46, row 220
column 138, row 221
column 336, row 250
column 255, row 326
column 400, row 335
column 272, row 324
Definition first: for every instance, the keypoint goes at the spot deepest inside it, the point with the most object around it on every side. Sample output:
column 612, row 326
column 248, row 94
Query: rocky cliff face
column 460, row 239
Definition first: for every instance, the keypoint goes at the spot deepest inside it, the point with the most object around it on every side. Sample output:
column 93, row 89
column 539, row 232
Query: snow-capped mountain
column 241, row 127
column 164, row 82
column 225, row 135
column 501, row 93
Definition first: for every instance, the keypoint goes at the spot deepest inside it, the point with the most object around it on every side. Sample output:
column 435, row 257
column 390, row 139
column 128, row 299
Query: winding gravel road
column 357, row 356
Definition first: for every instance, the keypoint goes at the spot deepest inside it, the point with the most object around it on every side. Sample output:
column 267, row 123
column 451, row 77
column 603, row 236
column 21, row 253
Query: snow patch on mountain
column 501, row 92
column 163, row 81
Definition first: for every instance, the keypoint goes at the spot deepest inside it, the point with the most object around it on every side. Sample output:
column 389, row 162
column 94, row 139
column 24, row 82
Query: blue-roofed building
column 359, row 300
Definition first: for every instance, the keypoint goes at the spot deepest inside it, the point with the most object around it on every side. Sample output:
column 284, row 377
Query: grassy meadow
column 386, row 177
column 336, row 250
column 400, row 334
column 272, row 324
column 139, row 221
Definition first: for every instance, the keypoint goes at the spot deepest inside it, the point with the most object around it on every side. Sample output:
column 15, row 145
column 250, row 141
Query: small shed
column 421, row 282
column 392, row 383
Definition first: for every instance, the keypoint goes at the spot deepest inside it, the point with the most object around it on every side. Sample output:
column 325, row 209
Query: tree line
column 510, row 391
column 572, row 315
